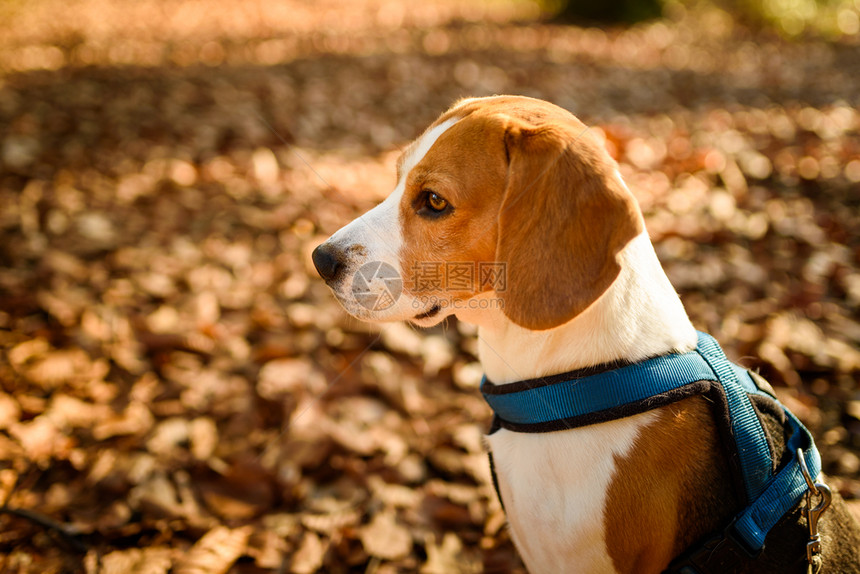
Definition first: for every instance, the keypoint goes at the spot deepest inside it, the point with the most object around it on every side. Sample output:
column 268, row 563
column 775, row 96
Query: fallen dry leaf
column 385, row 538
column 215, row 552
column 309, row 556
column 137, row 561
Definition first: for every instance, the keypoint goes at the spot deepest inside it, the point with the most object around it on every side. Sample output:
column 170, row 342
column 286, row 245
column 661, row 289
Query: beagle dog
column 508, row 214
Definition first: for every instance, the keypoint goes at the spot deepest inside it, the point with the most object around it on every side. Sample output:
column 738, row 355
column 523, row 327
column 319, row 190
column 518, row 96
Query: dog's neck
column 639, row 316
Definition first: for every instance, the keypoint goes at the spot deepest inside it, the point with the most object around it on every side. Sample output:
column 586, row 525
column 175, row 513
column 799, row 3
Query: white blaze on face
column 369, row 287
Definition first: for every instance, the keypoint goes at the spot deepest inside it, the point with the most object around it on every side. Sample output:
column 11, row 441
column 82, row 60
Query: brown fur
column 500, row 168
column 467, row 168
column 662, row 493
column 676, row 487
column 565, row 218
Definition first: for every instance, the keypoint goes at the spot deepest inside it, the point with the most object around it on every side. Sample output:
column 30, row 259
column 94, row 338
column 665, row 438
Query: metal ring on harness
column 813, row 514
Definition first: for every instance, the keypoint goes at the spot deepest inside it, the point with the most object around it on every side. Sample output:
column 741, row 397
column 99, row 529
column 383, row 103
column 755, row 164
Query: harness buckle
column 813, row 513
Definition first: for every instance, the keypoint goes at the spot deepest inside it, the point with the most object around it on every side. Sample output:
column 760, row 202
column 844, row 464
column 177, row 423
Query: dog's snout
column 328, row 261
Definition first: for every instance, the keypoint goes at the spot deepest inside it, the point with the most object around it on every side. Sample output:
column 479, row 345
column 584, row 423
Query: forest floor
column 180, row 392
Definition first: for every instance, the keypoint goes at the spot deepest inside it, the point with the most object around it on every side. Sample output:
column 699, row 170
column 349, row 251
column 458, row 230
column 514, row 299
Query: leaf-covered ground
column 179, row 392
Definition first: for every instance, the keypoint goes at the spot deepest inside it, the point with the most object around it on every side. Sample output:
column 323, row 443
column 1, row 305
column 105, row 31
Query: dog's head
column 505, row 198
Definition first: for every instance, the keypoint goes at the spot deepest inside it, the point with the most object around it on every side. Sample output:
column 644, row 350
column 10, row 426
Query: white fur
column 377, row 236
column 554, row 487
column 554, row 484
column 639, row 316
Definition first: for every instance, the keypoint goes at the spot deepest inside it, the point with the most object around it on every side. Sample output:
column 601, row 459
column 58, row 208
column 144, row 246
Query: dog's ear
column 563, row 220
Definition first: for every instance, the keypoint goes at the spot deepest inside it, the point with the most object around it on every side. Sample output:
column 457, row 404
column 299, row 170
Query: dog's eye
column 435, row 203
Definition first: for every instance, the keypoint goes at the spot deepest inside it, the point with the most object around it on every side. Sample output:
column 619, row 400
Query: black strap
column 720, row 553
column 494, row 426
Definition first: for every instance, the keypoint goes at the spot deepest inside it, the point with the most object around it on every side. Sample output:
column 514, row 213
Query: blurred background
column 179, row 391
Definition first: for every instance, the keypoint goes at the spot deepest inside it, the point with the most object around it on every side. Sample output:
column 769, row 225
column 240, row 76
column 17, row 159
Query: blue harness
column 564, row 401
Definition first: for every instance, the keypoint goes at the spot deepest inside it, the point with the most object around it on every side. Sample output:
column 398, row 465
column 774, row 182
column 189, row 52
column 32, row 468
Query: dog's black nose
column 327, row 261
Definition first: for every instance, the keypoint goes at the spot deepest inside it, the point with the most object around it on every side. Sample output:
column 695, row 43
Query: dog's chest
column 554, row 487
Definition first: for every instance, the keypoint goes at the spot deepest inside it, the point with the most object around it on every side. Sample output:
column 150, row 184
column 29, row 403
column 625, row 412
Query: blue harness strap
column 561, row 402
column 750, row 441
